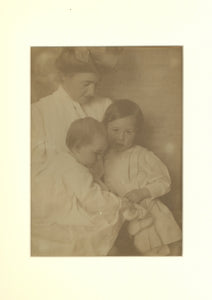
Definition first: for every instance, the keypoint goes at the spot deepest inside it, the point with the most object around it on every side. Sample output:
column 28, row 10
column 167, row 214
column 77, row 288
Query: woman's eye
column 129, row 132
column 98, row 153
column 87, row 83
column 115, row 130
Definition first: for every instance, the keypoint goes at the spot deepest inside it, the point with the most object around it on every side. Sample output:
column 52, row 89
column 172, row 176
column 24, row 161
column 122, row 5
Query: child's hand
column 125, row 204
column 138, row 195
column 128, row 210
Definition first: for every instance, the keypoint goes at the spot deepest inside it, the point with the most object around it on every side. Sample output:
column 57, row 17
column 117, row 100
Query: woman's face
column 80, row 86
column 121, row 133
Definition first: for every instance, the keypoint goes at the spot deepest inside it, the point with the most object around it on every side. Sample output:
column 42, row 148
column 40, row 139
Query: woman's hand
column 138, row 195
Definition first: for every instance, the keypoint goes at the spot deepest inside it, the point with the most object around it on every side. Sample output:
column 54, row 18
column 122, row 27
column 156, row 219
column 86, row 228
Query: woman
column 51, row 118
column 75, row 98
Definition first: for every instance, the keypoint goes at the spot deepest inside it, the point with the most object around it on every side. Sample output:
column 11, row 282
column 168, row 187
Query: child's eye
column 87, row 83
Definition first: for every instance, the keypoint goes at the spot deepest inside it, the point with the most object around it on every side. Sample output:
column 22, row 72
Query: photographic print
column 106, row 151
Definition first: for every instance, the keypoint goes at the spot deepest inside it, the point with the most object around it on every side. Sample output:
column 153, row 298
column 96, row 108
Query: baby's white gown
column 71, row 214
column 63, row 191
column 137, row 168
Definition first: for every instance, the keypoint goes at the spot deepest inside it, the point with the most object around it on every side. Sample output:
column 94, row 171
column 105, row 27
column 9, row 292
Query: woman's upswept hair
column 75, row 60
column 82, row 131
column 123, row 108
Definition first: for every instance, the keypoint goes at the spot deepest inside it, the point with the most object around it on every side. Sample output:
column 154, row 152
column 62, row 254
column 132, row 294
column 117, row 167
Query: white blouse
column 52, row 116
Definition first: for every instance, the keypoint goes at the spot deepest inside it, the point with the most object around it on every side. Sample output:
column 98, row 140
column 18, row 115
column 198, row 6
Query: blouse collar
column 67, row 98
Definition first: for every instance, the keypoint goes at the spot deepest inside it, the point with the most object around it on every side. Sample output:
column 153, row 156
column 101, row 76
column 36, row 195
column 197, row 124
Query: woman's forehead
column 86, row 77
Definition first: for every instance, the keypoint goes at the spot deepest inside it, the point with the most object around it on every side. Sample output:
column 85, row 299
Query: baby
column 76, row 214
column 136, row 173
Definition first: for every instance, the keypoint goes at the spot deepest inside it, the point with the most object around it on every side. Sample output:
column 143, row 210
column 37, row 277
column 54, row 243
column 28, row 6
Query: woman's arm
column 38, row 143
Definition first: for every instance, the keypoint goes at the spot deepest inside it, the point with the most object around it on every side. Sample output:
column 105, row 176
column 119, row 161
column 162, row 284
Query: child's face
column 121, row 133
column 89, row 154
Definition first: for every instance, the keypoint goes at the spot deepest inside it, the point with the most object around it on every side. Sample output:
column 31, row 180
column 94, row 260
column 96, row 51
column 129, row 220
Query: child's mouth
column 119, row 146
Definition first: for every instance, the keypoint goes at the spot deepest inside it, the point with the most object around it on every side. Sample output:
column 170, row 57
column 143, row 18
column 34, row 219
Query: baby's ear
column 77, row 147
column 74, row 149
column 61, row 76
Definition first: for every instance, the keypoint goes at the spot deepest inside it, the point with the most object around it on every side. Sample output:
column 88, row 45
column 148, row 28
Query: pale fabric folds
column 53, row 203
column 50, row 119
column 137, row 168
column 71, row 214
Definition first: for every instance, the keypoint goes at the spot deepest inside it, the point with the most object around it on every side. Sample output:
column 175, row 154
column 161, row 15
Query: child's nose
column 121, row 136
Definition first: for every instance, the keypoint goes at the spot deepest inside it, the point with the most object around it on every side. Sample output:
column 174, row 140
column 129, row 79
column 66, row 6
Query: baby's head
column 123, row 120
column 86, row 139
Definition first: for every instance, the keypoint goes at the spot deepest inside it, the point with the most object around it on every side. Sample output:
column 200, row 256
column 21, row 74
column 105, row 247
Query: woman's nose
column 91, row 90
column 99, row 157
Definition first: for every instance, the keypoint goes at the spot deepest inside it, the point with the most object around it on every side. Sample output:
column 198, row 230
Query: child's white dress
column 137, row 168
column 72, row 214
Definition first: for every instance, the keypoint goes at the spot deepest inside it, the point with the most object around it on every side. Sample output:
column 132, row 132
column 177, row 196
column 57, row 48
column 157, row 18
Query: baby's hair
column 123, row 108
column 82, row 131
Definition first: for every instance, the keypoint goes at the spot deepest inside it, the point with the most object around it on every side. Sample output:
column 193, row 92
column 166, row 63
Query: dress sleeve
column 38, row 143
column 158, row 181
column 91, row 196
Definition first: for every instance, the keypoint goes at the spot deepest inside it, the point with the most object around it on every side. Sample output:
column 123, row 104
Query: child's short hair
column 123, row 108
column 82, row 131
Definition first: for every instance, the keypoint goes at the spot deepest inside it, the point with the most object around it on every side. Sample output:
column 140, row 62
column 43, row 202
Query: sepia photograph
column 106, row 151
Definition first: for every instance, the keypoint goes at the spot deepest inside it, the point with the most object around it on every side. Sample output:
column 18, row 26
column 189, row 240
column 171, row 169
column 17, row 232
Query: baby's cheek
column 111, row 138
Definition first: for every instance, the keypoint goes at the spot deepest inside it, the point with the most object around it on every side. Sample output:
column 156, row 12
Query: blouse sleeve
column 158, row 180
column 90, row 195
column 38, row 144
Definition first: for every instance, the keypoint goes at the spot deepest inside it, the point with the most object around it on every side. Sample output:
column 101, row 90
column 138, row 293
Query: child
column 136, row 173
column 74, row 215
